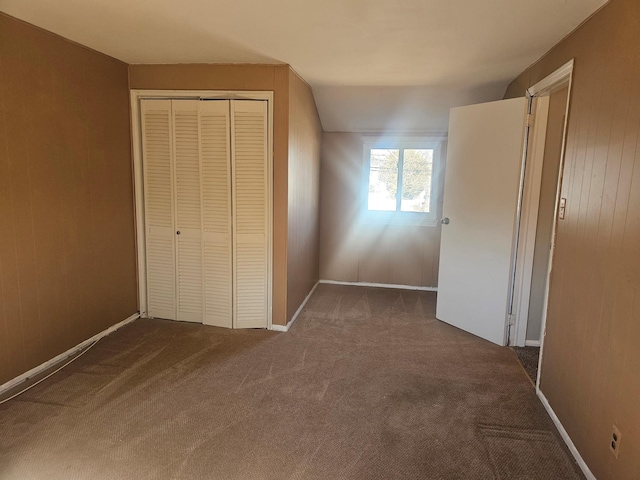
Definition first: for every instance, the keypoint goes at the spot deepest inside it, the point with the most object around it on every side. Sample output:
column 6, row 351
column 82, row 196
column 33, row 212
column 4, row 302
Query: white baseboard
column 63, row 356
column 565, row 436
column 285, row 328
column 381, row 285
column 532, row 343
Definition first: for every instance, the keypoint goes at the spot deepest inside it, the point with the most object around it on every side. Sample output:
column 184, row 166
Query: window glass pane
column 383, row 179
column 417, row 169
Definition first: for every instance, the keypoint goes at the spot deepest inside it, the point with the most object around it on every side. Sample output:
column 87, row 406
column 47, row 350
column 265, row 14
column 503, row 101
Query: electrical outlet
column 616, row 437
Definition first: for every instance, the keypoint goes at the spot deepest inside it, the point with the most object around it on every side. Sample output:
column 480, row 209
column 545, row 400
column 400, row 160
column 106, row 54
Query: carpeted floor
column 366, row 385
column 529, row 357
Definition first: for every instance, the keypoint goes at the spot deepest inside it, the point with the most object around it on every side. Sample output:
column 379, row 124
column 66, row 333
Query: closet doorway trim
column 136, row 130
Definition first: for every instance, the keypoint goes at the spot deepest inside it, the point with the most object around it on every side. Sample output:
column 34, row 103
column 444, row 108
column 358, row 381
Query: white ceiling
column 373, row 64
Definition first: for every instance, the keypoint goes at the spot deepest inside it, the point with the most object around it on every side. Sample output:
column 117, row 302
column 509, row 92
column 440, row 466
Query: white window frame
column 437, row 143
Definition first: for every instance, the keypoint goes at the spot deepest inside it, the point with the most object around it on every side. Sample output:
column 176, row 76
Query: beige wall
column 242, row 77
column 305, row 137
column 355, row 251
column 591, row 362
column 546, row 206
column 67, row 249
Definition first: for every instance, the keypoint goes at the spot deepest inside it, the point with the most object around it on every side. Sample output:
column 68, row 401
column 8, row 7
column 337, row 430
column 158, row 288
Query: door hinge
column 510, row 323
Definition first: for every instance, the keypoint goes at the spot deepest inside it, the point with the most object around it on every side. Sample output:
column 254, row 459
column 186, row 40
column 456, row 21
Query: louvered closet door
column 215, row 145
column 188, row 211
column 250, row 201
column 159, row 213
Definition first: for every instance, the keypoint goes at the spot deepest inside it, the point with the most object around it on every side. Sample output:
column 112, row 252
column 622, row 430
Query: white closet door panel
column 188, row 210
column 215, row 146
column 160, row 275
column 190, row 276
column 187, row 166
column 159, row 214
column 249, row 144
column 251, row 286
column 218, row 283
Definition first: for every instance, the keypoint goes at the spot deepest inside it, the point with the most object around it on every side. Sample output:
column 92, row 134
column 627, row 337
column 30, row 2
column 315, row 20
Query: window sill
column 399, row 219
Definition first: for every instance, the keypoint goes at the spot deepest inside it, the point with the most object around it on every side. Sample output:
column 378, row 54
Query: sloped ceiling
column 374, row 65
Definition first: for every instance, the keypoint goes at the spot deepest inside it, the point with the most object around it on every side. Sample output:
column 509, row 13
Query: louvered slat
column 215, row 139
column 160, row 249
column 188, row 210
column 249, row 147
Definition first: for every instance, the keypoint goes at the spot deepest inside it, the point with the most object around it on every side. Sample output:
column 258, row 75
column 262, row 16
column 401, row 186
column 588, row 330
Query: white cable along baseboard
column 565, row 436
column 381, row 285
column 63, row 356
column 285, row 328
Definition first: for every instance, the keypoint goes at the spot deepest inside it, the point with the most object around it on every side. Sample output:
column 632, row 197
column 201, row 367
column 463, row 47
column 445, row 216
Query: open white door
column 482, row 182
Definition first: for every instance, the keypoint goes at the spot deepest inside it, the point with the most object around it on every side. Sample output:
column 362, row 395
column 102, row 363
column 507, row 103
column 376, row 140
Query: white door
column 250, row 206
column 484, row 159
column 206, row 191
column 215, row 139
column 157, row 148
column 188, row 211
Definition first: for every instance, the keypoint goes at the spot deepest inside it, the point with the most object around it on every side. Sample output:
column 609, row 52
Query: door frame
column 138, row 188
column 527, row 229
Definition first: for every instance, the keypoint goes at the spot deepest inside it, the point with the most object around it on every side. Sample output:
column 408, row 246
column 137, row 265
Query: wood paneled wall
column 305, row 138
column 352, row 250
column 67, row 248
column 242, row 77
column 591, row 360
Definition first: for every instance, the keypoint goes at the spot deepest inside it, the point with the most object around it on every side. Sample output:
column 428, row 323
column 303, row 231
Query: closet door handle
column 178, row 232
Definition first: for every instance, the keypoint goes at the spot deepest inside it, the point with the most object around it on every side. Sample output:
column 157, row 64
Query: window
column 401, row 183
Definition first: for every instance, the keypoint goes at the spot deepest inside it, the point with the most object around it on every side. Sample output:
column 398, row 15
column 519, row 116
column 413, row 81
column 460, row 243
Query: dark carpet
column 529, row 357
column 366, row 385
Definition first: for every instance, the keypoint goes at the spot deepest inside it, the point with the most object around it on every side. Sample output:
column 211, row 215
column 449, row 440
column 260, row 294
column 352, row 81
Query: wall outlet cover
column 615, row 439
